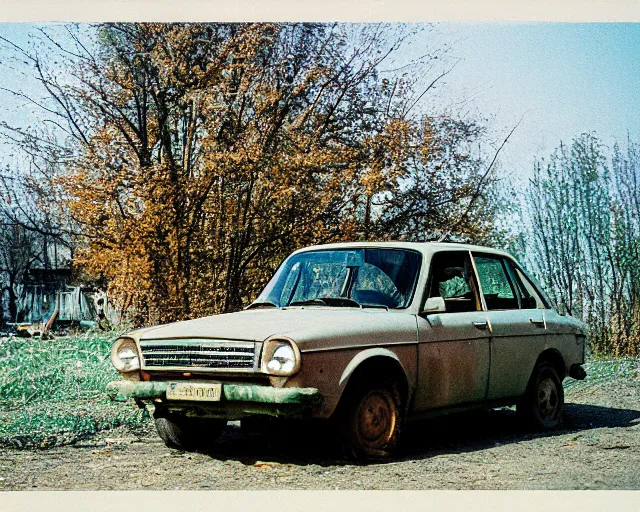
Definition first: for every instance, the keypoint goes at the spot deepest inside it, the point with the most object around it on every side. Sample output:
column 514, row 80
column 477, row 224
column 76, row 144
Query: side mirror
column 434, row 305
column 562, row 309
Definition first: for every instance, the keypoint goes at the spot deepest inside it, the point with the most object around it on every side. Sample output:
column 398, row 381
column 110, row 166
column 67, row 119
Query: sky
column 561, row 79
column 558, row 79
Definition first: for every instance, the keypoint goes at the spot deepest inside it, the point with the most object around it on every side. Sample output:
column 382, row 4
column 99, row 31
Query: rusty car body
column 366, row 335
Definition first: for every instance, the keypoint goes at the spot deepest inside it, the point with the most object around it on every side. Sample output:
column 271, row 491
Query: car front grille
column 200, row 354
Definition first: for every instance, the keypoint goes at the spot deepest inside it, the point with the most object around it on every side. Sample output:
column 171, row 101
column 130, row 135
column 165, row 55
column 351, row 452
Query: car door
column 518, row 325
column 560, row 331
column 453, row 349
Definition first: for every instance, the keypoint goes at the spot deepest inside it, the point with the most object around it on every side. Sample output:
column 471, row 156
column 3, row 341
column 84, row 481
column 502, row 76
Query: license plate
column 201, row 392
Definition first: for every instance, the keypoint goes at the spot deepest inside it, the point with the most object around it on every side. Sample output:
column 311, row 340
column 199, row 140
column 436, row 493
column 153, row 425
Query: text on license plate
column 206, row 392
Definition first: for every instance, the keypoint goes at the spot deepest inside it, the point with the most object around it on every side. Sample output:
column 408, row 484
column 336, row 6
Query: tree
column 585, row 235
column 440, row 186
column 194, row 157
column 625, row 171
column 19, row 250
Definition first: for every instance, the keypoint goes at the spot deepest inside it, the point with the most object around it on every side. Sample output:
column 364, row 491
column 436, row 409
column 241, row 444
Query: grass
column 602, row 371
column 52, row 391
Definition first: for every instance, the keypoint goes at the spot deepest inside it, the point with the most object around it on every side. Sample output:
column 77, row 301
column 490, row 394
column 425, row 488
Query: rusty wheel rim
column 376, row 418
column 548, row 399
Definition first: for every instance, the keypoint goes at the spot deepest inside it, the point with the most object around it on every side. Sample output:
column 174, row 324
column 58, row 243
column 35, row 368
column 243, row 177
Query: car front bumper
column 236, row 401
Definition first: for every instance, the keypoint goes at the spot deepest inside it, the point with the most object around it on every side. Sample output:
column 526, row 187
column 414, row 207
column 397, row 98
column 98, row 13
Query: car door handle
column 481, row 325
column 539, row 323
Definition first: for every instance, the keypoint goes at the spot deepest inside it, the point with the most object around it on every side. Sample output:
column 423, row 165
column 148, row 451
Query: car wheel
column 188, row 434
column 543, row 402
column 370, row 420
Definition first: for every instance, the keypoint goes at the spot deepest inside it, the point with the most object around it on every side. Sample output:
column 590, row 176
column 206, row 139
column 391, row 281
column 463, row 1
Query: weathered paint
column 269, row 395
column 325, row 369
column 361, row 357
column 123, row 390
column 454, row 360
column 448, row 363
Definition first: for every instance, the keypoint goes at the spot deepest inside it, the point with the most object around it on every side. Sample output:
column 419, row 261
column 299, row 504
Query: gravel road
column 598, row 447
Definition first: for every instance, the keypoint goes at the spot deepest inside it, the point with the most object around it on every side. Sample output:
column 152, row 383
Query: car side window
column 452, row 279
column 497, row 288
column 529, row 296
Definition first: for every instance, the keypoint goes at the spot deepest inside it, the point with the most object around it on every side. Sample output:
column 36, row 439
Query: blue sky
column 563, row 78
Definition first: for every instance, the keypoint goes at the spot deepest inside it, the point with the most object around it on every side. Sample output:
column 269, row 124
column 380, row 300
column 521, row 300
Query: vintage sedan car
column 366, row 335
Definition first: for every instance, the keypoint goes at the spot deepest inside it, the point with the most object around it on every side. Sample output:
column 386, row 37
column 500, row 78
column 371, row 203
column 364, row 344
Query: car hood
column 314, row 327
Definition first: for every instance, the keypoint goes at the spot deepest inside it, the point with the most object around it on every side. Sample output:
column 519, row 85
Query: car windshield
column 344, row 278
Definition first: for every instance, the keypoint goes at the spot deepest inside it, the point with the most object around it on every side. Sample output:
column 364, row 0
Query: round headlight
column 124, row 355
column 282, row 360
column 280, row 357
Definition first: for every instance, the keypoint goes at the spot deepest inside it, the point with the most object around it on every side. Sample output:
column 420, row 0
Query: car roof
column 423, row 247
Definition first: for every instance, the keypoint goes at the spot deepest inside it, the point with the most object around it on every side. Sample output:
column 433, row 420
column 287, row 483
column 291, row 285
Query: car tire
column 543, row 402
column 188, row 434
column 369, row 420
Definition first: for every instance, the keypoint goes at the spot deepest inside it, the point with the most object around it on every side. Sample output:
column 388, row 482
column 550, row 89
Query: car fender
column 363, row 356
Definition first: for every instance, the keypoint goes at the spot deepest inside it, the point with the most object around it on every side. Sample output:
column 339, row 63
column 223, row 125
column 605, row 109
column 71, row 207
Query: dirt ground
column 598, row 447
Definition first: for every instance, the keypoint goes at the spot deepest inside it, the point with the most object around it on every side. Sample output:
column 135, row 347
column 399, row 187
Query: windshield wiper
column 381, row 306
column 327, row 301
column 262, row 304
column 308, row 302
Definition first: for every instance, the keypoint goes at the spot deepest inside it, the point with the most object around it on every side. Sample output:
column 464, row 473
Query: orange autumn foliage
column 205, row 153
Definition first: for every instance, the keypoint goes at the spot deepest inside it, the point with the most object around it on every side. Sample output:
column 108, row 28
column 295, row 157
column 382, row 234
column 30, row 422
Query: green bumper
column 123, row 390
